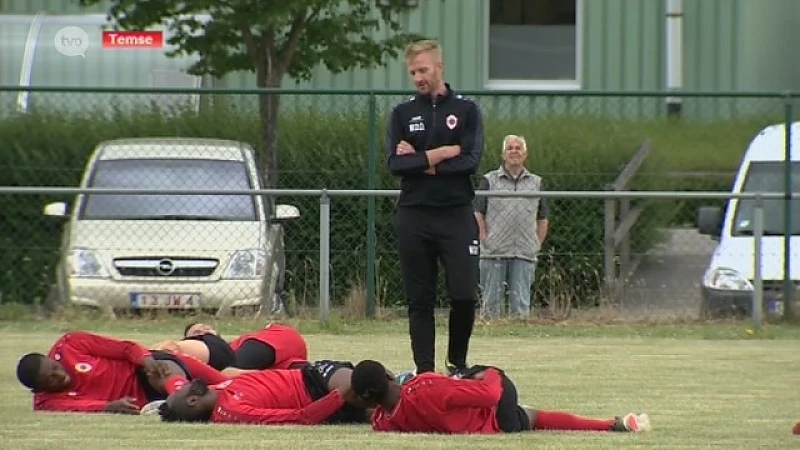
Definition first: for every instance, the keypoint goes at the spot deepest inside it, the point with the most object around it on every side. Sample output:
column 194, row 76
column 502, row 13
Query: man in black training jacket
column 434, row 144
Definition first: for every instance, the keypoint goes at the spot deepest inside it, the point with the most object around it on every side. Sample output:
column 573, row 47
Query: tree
column 273, row 38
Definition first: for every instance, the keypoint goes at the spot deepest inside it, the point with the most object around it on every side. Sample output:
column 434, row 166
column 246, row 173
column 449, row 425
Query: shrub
column 320, row 150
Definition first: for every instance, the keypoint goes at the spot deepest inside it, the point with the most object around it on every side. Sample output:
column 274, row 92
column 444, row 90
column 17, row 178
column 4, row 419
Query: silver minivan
column 217, row 252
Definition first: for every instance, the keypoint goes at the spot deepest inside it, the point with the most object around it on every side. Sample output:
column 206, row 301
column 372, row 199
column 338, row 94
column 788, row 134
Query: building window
column 534, row 43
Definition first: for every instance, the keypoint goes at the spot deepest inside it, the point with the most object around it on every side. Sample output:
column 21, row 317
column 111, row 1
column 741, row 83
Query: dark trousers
column 220, row 353
column 254, row 355
column 426, row 237
column 511, row 417
column 317, row 377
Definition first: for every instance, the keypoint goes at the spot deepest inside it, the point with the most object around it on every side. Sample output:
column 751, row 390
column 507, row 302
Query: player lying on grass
column 86, row 372
column 306, row 395
column 275, row 346
column 484, row 401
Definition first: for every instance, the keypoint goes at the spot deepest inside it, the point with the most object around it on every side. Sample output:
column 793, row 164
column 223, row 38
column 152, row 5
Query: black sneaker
column 455, row 371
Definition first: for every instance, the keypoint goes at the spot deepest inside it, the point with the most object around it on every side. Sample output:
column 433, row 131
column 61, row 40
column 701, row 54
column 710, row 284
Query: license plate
column 151, row 300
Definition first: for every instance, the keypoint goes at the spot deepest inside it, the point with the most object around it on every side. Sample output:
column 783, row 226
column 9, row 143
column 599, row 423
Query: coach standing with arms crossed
column 434, row 144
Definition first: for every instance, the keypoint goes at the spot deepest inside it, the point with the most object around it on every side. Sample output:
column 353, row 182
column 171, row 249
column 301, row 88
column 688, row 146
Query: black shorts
column 326, row 368
column 317, row 376
column 511, row 417
column 254, row 354
column 149, row 391
column 220, row 353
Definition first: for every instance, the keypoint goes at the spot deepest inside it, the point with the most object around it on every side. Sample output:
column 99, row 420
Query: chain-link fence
column 334, row 140
column 133, row 242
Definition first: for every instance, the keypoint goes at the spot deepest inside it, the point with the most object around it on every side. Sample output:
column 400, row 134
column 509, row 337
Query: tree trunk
column 268, row 114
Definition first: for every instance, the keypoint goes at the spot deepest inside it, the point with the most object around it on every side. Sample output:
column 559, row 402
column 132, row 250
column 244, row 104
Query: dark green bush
column 319, row 150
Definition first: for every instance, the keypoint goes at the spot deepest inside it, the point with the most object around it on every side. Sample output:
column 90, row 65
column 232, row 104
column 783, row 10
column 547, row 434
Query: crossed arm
column 404, row 159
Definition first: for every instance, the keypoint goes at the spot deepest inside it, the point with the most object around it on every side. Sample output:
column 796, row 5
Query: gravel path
column 667, row 282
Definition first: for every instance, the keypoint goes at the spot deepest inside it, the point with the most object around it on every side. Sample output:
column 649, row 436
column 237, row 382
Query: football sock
column 558, row 420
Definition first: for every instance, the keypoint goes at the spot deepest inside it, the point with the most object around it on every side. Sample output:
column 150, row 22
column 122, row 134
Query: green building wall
column 740, row 45
column 728, row 45
column 99, row 68
column 455, row 23
column 714, row 34
column 623, row 50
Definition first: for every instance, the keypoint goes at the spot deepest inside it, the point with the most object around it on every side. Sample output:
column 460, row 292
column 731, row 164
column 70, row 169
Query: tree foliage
column 271, row 38
column 284, row 37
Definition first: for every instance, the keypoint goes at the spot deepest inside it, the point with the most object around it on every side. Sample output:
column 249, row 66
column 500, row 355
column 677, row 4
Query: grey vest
column 511, row 221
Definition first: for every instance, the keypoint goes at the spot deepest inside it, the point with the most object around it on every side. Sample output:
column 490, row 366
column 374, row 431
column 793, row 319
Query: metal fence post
column 372, row 167
column 788, row 286
column 758, row 283
column 324, row 256
column 609, row 249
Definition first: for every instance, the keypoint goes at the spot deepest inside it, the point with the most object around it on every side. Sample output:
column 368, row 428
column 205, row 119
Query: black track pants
column 425, row 237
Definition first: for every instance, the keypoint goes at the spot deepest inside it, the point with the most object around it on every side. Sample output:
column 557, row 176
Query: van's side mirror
column 708, row 220
column 57, row 209
column 285, row 212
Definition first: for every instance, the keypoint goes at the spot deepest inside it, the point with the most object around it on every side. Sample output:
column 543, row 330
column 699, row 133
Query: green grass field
column 712, row 386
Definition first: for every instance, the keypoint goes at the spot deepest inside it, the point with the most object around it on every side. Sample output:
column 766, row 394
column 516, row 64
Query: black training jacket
column 425, row 124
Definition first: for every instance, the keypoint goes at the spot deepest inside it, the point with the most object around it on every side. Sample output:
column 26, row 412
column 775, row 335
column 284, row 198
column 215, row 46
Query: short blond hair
column 423, row 46
column 515, row 137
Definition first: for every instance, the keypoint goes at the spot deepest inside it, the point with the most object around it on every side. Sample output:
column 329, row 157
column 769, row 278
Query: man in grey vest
column 512, row 230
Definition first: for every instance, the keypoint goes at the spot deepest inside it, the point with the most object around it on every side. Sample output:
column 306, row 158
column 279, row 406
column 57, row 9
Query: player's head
column 515, row 149
column 193, row 402
column 374, row 384
column 425, row 66
column 198, row 329
column 40, row 373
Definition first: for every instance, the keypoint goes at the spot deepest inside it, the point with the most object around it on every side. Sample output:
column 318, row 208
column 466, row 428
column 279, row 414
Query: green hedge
column 318, row 150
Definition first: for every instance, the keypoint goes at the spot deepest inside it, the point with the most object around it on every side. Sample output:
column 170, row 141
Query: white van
column 186, row 252
column 727, row 285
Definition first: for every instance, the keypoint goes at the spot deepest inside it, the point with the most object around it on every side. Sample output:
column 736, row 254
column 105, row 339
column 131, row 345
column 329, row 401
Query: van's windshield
column 767, row 177
column 184, row 174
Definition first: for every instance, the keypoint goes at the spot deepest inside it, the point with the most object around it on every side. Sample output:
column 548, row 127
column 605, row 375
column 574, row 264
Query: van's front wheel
column 721, row 308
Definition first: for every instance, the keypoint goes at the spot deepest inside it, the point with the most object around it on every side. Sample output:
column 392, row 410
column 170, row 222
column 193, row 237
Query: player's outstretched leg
column 564, row 421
